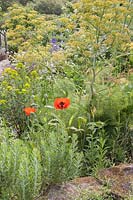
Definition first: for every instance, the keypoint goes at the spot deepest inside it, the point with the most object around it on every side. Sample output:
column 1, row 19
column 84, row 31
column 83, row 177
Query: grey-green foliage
column 95, row 148
column 60, row 158
column 29, row 176
column 20, row 169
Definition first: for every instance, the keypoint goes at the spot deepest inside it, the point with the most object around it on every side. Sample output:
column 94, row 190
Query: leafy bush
column 96, row 148
column 24, row 2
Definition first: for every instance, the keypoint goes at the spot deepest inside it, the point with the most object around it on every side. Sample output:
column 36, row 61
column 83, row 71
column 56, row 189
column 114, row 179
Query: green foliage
column 24, row 2
column 115, row 110
column 85, row 195
column 96, row 148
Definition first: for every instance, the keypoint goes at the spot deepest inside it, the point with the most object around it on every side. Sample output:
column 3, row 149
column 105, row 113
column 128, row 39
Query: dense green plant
column 114, row 108
column 24, row 2
column 96, row 148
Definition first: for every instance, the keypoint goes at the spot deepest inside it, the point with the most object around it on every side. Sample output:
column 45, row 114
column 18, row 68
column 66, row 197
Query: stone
column 119, row 179
column 114, row 183
column 76, row 188
column 4, row 64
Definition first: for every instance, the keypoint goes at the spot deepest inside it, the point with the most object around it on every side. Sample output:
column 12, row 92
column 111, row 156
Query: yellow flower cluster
column 34, row 74
column 2, row 101
column 59, row 57
column 18, row 81
column 10, row 72
column 131, row 45
column 101, row 26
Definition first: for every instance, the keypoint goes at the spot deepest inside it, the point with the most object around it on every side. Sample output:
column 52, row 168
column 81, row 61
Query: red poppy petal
column 61, row 103
column 29, row 110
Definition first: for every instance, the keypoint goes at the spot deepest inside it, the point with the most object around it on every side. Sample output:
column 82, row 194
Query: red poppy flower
column 61, row 103
column 29, row 110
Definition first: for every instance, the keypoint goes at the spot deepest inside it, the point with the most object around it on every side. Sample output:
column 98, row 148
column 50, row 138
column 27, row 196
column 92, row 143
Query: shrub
column 24, row 2
column 48, row 7
column 96, row 148
column 5, row 4
column 22, row 24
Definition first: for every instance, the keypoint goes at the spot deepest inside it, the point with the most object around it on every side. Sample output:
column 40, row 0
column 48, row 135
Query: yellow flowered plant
column 9, row 88
column 34, row 73
column 102, row 28
column 27, row 85
column 12, row 72
column 21, row 23
column 18, row 88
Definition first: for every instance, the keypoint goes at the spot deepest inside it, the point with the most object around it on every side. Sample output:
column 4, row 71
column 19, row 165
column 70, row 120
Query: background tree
column 5, row 4
column 24, row 2
column 49, row 7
